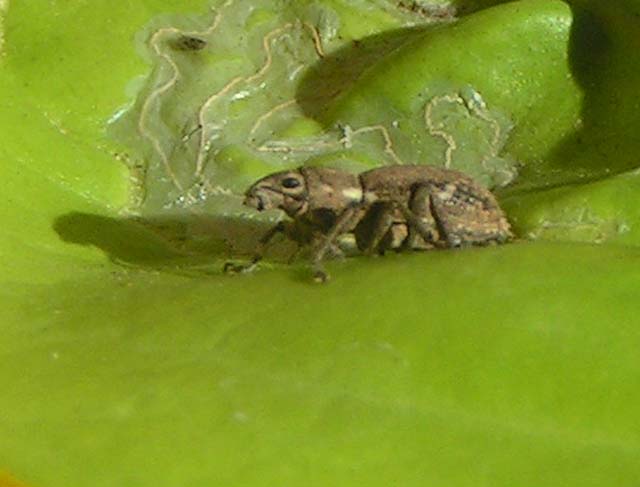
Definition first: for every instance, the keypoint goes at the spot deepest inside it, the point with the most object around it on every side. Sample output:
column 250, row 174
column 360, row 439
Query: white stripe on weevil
column 354, row 194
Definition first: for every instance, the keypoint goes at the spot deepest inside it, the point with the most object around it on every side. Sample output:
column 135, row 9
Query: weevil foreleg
column 343, row 221
column 335, row 250
column 263, row 245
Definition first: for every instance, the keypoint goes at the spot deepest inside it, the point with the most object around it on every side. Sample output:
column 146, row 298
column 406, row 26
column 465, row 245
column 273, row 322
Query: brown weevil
column 389, row 208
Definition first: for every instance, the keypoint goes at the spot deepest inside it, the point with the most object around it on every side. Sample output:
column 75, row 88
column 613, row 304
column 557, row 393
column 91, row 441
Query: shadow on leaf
column 603, row 58
column 337, row 72
column 169, row 241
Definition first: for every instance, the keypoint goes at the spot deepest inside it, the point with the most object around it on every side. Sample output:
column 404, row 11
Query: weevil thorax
column 285, row 190
column 331, row 189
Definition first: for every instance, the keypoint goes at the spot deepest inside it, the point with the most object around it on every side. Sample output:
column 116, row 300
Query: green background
column 124, row 362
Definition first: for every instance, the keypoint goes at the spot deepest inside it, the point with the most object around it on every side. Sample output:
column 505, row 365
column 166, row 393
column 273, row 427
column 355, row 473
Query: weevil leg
column 263, row 245
column 319, row 274
column 336, row 251
column 375, row 231
column 294, row 255
column 424, row 231
column 444, row 228
column 415, row 220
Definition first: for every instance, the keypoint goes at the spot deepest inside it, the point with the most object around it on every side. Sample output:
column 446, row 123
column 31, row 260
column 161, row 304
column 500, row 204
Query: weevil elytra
column 388, row 208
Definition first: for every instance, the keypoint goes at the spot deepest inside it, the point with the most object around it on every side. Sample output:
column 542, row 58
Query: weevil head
column 306, row 189
column 285, row 190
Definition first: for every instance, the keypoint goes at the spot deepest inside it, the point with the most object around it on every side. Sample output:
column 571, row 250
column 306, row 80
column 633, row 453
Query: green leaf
column 128, row 358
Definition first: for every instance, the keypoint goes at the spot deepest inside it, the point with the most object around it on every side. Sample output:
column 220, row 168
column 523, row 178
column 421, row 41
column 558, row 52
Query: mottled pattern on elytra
column 454, row 210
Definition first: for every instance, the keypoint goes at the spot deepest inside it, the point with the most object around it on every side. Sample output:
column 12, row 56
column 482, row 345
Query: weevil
column 409, row 207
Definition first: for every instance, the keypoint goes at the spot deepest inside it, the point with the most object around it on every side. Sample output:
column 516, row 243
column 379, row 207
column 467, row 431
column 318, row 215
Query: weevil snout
column 263, row 197
column 253, row 199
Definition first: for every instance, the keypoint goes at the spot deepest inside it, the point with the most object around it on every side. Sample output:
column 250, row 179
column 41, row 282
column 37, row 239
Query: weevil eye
column 290, row 183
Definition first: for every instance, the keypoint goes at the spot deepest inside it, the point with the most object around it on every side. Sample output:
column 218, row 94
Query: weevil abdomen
column 422, row 207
